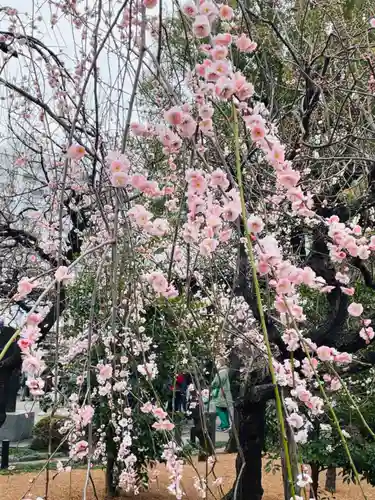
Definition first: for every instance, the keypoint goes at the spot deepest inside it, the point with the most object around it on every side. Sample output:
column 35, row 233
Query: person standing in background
column 222, row 395
column 176, row 394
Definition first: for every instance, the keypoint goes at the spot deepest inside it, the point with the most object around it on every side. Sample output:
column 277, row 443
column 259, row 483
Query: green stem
column 9, row 343
column 368, row 428
column 337, row 423
column 279, row 409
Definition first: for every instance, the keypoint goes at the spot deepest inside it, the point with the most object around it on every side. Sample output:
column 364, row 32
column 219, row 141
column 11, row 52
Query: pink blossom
column 147, row 408
column 33, row 364
column 187, row 126
column 212, row 71
column 170, row 292
column 219, row 52
column 79, row 450
column 224, row 88
column 157, row 281
column 225, row 235
column 205, row 126
column 316, row 405
column 347, row 291
column 208, row 9
column 372, row 243
column 223, row 39
column 198, row 184
column 150, row 4
column 277, row 155
column 284, row 286
column 86, row 413
column 324, row 353
column 159, row 227
column 263, row 267
column 36, row 386
column 219, row 179
column 303, row 394
column 140, row 215
column 343, row 358
column 173, row 115
column 76, row 152
column 309, row 366
column 208, row 246
column 335, row 384
column 24, row 287
column 244, row 44
column 201, row 26
column 291, row 339
column 281, row 305
column 206, row 111
column 119, row 165
column 34, row 318
column 150, row 188
column 138, row 181
column 367, row 334
column 205, row 48
column 226, row 13
column 24, row 344
column 288, row 178
column 231, row 211
column 355, row 309
column 159, row 413
column 105, row 372
column 295, row 420
column 120, row 179
column 372, row 22
column 269, row 249
column 20, row 162
column 30, row 332
column 244, row 90
column 255, row 224
column 62, row 274
column 308, row 276
column 363, row 252
column 163, row 425
column 257, row 132
column 190, row 9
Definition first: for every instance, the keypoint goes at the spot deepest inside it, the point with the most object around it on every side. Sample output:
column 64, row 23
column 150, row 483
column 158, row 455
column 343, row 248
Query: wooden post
column 5, row 454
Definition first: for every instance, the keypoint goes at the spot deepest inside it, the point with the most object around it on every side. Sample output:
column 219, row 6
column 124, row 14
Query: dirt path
column 69, row 486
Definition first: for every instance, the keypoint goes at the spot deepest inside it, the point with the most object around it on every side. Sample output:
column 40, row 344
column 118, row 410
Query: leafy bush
column 41, row 434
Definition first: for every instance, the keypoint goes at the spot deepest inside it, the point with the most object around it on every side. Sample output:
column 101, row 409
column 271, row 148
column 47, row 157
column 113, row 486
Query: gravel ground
column 69, row 486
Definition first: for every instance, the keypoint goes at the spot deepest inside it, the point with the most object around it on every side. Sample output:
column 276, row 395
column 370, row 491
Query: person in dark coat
column 10, row 367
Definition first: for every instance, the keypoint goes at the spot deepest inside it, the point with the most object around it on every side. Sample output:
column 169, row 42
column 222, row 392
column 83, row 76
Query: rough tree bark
column 315, row 469
column 251, row 419
column 331, row 480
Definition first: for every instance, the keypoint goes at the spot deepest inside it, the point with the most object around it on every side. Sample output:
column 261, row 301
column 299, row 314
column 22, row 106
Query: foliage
column 46, row 427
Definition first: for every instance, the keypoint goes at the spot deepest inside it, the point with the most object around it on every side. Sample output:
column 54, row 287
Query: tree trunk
column 251, row 430
column 109, row 479
column 110, row 483
column 315, row 480
column 331, row 480
column 231, row 446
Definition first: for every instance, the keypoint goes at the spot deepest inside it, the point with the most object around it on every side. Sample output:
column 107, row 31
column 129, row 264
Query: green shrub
column 41, row 432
